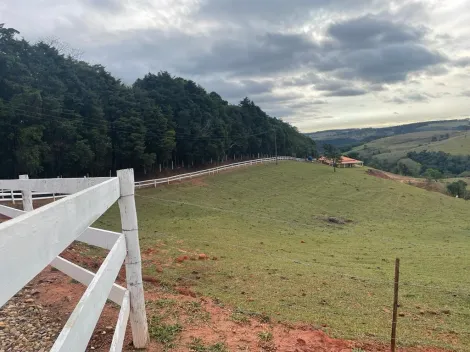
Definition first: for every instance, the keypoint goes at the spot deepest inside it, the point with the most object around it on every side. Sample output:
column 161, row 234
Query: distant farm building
column 345, row 162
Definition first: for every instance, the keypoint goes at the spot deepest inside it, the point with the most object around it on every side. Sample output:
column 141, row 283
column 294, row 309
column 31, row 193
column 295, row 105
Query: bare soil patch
column 417, row 182
column 201, row 321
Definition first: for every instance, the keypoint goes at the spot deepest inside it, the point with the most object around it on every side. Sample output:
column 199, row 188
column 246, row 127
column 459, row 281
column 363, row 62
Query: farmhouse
column 345, row 162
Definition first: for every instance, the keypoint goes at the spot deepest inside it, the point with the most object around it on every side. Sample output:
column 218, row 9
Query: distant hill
column 413, row 153
column 348, row 138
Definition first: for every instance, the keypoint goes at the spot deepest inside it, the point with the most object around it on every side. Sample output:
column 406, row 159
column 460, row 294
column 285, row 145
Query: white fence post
column 12, row 196
column 27, row 196
column 138, row 316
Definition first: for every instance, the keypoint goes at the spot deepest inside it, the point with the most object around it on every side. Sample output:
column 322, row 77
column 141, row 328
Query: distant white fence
column 214, row 170
column 35, row 238
column 9, row 195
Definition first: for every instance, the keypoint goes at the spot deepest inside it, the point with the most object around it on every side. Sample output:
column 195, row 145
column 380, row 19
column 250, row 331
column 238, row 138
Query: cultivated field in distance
column 299, row 243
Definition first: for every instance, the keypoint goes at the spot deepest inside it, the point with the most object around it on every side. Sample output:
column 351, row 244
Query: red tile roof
column 346, row 160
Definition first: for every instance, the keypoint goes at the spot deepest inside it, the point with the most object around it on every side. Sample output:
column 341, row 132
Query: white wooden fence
column 35, row 238
column 215, row 170
column 9, row 195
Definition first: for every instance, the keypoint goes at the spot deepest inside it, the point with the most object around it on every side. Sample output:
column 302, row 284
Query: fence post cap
column 126, row 181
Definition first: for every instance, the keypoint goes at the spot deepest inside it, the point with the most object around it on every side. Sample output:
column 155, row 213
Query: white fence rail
column 32, row 240
column 168, row 180
column 13, row 194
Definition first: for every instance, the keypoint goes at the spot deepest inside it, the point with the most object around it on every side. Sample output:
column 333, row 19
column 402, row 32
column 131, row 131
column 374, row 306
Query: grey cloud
column 388, row 64
column 438, row 70
column 329, row 85
column 264, row 54
column 369, row 31
column 302, row 80
column 307, row 104
column 275, row 11
column 234, row 91
column 278, row 111
column 278, row 98
column 366, row 49
column 411, row 97
column 418, row 97
column 462, row 62
column 397, row 100
column 112, row 6
column 465, row 93
column 346, row 92
column 377, row 87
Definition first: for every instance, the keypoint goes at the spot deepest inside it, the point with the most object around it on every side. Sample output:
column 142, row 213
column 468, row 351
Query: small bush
column 198, row 346
column 458, row 188
column 164, row 333
column 265, row 336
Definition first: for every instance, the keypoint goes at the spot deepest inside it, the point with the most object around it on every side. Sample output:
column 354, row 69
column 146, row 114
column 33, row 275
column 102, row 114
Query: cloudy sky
column 318, row 64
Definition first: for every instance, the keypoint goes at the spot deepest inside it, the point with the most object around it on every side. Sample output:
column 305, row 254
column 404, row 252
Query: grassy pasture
column 277, row 253
column 458, row 145
column 397, row 147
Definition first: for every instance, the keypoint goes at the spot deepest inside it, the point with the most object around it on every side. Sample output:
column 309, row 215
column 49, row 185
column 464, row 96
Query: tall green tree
column 332, row 153
column 63, row 116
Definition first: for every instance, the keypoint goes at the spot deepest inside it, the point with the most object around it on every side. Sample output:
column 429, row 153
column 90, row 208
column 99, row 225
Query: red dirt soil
column 417, row 182
column 59, row 294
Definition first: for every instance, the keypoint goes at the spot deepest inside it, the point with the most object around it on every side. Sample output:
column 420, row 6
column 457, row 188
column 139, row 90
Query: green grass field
column 458, row 145
column 390, row 150
column 278, row 254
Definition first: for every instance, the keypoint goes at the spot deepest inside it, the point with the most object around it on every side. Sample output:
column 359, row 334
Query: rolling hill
column 389, row 152
column 348, row 138
column 274, row 250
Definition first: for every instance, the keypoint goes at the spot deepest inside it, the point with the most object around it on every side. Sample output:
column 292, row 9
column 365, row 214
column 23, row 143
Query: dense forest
column 447, row 164
column 63, row 116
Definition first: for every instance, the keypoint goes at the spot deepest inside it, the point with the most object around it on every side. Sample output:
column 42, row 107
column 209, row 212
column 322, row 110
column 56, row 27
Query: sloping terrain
column 298, row 243
column 357, row 136
column 392, row 149
column 457, row 145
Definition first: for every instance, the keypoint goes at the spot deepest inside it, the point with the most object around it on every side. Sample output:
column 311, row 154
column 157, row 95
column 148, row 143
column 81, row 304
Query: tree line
column 446, row 163
column 63, row 116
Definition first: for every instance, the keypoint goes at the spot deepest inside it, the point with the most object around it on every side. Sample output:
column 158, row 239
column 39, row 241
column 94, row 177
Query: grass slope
column 278, row 255
column 458, row 145
column 356, row 136
column 397, row 147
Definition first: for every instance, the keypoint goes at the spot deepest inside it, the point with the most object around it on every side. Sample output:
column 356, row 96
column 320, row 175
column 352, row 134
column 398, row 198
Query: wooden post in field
column 27, row 196
column 138, row 316
column 395, row 306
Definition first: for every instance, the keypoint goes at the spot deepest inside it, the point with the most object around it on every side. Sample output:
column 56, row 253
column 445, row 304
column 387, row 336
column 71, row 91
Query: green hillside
column 391, row 153
column 396, row 147
column 458, row 145
column 299, row 243
column 348, row 138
